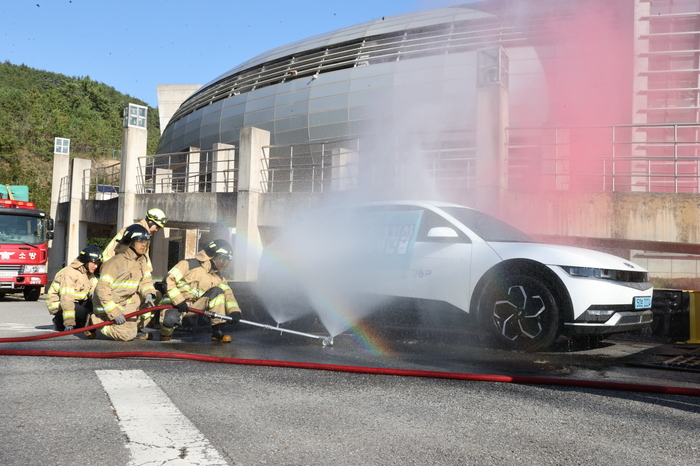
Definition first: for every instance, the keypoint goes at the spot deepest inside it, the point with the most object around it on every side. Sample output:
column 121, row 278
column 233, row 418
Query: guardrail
column 310, row 167
column 101, row 183
column 644, row 158
column 213, row 170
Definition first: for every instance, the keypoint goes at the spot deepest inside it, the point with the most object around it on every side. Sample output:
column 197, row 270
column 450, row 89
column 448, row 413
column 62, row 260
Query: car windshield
column 19, row 229
column 487, row 227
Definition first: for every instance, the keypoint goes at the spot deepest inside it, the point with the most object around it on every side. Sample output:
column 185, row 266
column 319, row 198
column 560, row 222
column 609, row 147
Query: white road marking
column 23, row 328
column 156, row 431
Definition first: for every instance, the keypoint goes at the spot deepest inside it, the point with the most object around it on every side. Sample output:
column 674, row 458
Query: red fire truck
column 24, row 232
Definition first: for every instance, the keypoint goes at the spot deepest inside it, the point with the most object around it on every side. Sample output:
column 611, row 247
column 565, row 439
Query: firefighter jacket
column 114, row 247
column 185, row 283
column 122, row 277
column 71, row 284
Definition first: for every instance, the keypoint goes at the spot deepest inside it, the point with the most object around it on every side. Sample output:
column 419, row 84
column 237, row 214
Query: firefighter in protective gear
column 155, row 219
column 199, row 283
column 69, row 299
column 125, row 286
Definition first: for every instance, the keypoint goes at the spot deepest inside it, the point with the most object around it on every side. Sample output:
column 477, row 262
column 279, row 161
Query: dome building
column 408, row 80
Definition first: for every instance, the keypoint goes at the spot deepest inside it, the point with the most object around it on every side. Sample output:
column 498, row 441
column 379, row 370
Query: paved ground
column 57, row 410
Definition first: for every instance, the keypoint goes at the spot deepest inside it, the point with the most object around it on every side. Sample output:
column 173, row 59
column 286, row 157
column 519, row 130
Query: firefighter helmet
column 219, row 247
column 90, row 254
column 157, row 216
column 135, row 232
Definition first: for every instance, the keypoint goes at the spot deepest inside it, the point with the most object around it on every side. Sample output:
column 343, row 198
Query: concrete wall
column 652, row 221
column 191, row 210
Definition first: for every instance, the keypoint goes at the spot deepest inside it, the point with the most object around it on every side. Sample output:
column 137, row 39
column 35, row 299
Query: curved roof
column 380, row 26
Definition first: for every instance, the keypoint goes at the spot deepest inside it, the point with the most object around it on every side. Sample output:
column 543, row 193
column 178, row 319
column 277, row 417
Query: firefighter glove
column 151, row 299
column 119, row 319
column 235, row 317
column 68, row 327
column 182, row 307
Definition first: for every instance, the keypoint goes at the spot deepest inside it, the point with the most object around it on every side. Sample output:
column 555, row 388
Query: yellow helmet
column 157, row 216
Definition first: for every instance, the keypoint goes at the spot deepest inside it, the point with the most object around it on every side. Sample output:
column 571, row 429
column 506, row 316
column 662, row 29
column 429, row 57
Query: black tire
column 519, row 312
column 2, row 295
column 32, row 293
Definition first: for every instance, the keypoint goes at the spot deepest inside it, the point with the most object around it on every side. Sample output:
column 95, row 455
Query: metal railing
column 101, row 183
column 64, row 189
column 310, row 167
column 213, row 170
column 644, row 158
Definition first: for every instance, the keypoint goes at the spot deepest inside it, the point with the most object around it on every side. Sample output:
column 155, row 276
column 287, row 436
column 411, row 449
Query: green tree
column 36, row 106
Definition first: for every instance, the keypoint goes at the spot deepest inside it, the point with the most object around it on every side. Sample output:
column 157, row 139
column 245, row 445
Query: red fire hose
column 333, row 367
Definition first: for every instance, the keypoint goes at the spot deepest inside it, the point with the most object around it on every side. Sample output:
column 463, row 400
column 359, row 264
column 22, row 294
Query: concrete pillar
column 491, row 123
column 344, row 171
column 248, row 244
column 57, row 246
column 163, row 180
column 159, row 252
column 223, row 168
column 193, row 171
column 190, row 243
column 77, row 230
column 134, row 143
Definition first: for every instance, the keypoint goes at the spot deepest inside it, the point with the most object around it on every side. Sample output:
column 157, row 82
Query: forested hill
column 36, row 106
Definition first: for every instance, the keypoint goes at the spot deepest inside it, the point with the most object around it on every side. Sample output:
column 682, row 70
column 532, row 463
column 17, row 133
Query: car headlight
column 586, row 272
column 34, row 269
column 607, row 274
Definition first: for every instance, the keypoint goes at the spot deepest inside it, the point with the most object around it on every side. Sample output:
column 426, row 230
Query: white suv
column 347, row 262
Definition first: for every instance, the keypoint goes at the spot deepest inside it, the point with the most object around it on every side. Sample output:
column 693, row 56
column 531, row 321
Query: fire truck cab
column 24, row 232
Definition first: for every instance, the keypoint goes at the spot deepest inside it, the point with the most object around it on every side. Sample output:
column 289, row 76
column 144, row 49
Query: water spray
column 327, row 341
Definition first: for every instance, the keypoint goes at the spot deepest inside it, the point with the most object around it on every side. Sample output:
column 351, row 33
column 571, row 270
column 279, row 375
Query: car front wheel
column 32, row 293
column 519, row 312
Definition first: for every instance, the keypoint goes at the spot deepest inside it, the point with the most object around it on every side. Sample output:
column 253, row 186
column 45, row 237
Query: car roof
column 417, row 203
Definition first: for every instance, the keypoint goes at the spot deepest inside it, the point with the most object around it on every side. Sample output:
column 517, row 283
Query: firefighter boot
column 217, row 334
column 58, row 323
column 141, row 335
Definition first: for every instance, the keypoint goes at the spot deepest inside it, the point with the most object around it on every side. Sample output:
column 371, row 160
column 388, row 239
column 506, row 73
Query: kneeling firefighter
column 199, row 283
column 69, row 299
column 125, row 286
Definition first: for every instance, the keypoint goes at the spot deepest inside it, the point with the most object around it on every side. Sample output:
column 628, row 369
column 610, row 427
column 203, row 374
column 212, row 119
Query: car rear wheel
column 519, row 312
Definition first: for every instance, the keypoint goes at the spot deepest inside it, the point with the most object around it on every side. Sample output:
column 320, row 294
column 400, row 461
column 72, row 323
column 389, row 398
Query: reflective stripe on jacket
column 122, row 277
column 185, row 284
column 70, row 285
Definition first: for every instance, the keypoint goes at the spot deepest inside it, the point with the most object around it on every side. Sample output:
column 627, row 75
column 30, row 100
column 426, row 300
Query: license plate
column 7, row 273
column 642, row 302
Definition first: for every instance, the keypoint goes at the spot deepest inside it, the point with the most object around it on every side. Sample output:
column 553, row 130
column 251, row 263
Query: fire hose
column 527, row 380
column 327, row 341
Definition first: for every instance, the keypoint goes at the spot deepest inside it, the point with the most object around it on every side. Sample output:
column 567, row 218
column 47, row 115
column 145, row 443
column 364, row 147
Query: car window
column 432, row 220
column 429, row 220
column 487, row 227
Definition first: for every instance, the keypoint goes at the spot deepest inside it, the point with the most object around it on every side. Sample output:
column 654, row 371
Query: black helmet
column 157, row 216
column 135, row 232
column 219, row 247
column 90, row 254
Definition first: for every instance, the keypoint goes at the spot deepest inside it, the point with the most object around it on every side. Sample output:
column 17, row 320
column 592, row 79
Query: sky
column 134, row 45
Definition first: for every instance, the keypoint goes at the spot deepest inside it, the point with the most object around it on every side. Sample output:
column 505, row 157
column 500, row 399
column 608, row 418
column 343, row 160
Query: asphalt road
column 70, row 410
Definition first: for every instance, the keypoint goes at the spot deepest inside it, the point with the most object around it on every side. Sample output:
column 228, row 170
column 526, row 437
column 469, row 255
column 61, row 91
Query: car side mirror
column 442, row 232
column 49, row 235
